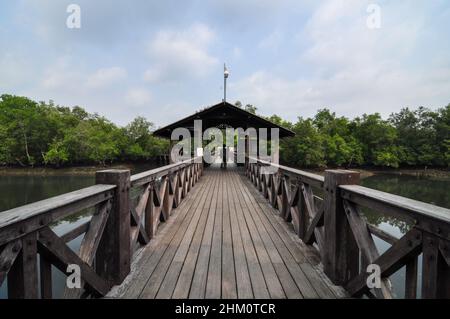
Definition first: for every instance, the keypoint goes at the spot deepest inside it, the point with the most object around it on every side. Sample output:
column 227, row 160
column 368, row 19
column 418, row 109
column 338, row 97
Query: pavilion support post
column 171, row 161
column 257, row 144
column 247, row 150
column 341, row 255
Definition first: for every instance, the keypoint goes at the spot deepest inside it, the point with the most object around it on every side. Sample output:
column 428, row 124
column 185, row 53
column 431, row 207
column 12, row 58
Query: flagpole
column 224, row 88
column 225, row 76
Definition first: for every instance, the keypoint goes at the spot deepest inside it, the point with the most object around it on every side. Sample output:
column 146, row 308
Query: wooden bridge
column 189, row 231
column 226, row 242
column 180, row 231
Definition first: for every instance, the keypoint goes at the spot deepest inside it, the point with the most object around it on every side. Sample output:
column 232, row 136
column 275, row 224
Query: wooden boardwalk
column 226, row 241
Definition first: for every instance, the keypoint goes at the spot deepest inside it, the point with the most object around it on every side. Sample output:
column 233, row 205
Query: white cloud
column 62, row 75
column 105, row 77
column 347, row 93
column 138, row 97
column 237, row 53
column 181, row 54
column 350, row 68
column 272, row 41
column 14, row 70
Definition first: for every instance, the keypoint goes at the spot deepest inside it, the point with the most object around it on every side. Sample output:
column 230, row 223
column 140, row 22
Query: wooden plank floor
column 226, row 241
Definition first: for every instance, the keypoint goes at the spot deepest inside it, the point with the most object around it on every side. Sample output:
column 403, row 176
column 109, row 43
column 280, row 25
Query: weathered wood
column 45, row 269
column 435, row 270
column 307, row 209
column 114, row 252
column 306, row 278
column 229, row 287
column 398, row 206
column 428, row 218
column 259, row 285
column 390, row 239
column 393, row 259
column 411, row 279
column 243, row 283
column 7, row 257
column 366, row 244
column 315, row 222
column 23, row 275
column 228, row 243
column 290, row 276
column 272, row 271
column 154, row 174
column 305, row 177
column 180, row 240
column 259, row 257
column 213, row 283
column 20, row 221
column 57, row 252
column 341, row 260
column 137, row 230
column 154, row 251
column 90, row 243
column 191, row 241
column 196, row 250
column 361, row 233
column 152, row 211
column 285, row 207
column 76, row 232
column 444, row 248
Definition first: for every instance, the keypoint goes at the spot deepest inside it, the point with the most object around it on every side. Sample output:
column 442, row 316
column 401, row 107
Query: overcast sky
column 164, row 59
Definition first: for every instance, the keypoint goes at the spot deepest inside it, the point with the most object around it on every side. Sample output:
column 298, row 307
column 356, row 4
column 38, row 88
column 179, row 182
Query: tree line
column 409, row 138
column 38, row 133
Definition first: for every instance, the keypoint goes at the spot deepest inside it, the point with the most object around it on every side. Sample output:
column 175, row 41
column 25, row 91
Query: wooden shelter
column 220, row 115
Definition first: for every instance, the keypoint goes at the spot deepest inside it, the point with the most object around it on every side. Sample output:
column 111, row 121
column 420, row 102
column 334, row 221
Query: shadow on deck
column 226, row 241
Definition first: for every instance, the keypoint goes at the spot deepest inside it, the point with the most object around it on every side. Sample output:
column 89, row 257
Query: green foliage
column 47, row 134
column 407, row 138
column 250, row 108
column 41, row 133
column 305, row 148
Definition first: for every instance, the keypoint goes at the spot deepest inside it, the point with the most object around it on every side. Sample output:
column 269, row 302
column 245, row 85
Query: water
column 430, row 190
column 18, row 190
column 21, row 189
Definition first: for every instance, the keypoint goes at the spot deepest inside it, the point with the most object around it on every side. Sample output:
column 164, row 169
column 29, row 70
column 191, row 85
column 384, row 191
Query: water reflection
column 429, row 190
column 18, row 190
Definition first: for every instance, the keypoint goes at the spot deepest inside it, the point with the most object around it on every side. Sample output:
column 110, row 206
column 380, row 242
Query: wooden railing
column 326, row 214
column 126, row 213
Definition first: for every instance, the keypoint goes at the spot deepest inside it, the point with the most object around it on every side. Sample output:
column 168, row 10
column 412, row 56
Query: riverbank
column 76, row 170
column 138, row 167
column 367, row 172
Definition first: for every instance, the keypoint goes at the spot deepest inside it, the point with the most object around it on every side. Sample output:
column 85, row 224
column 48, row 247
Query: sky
column 164, row 59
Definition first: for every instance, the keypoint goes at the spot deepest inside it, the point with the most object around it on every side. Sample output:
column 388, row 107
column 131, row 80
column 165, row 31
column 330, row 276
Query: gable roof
column 223, row 113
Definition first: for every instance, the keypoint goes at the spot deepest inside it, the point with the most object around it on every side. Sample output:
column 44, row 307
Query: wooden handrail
column 22, row 213
column 338, row 230
column 314, row 179
column 17, row 222
column 119, row 225
column 394, row 205
column 156, row 173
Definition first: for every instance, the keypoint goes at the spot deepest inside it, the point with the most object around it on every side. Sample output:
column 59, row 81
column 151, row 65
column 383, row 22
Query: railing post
column 341, row 254
column 114, row 252
column 23, row 276
column 435, row 267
